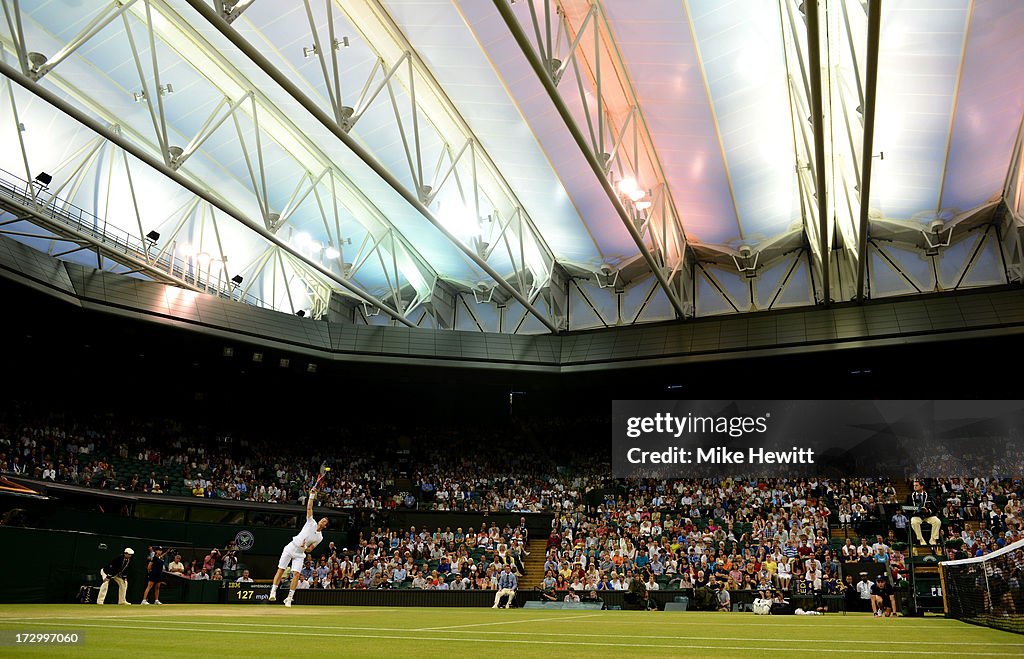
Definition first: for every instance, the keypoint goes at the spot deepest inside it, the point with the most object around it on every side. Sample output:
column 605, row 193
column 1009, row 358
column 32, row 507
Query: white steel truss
column 464, row 195
column 246, row 108
column 276, row 184
column 1011, row 226
column 617, row 145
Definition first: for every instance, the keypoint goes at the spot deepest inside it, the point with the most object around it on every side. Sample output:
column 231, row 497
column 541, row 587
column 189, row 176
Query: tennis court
column 176, row 630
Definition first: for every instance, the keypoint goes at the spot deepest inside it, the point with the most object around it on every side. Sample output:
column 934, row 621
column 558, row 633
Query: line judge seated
column 507, row 585
column 924, row 511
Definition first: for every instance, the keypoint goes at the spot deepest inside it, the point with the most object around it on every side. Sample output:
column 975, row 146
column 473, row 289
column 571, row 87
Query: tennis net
column 987, row 590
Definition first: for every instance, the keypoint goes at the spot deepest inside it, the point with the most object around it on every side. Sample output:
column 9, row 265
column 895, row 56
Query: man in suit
column 507, row 586
column 924, row 511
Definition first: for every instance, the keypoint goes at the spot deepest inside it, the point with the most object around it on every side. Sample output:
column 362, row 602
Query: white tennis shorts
column 292, row 555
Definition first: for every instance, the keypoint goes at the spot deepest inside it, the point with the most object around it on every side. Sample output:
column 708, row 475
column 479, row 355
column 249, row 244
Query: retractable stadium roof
column 519, row 166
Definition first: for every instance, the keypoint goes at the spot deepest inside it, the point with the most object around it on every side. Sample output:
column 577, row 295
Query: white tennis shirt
column 309, row 536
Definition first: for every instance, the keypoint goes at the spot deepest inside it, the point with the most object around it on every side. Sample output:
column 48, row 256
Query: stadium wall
column 71, row 507
column 203, row 536
column 47, row 565
column 993, row 311
column 485, row 598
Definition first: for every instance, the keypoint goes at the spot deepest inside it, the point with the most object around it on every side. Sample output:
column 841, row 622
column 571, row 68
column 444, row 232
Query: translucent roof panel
column 711, row 79
column 451, row 50
column 919, row 60
column 989, row 107
column 744, row 65
column 655, row 40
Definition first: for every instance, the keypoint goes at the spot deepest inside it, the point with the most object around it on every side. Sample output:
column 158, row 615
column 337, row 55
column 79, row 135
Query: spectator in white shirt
column 176, row 566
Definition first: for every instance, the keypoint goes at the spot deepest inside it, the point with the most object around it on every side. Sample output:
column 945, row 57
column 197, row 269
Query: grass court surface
column 270, row 631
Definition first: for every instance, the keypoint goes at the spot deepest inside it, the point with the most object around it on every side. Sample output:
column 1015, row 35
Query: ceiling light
column 459, row 219
column 43, row 179
column 627, row 185
column 36, row 60
column 331, row 253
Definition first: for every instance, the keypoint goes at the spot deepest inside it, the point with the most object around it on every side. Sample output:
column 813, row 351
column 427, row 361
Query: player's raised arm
column 309, row 503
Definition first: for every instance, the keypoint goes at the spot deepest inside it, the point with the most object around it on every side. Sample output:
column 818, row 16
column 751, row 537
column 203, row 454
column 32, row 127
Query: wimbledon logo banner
column 807, row 438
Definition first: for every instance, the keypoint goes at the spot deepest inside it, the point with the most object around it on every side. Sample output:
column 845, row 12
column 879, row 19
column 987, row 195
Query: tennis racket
column 323, row 472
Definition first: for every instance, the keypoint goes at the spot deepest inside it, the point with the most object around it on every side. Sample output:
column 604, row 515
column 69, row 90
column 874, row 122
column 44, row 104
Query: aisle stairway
column 841, row 533
column 903, row 487
column 534, row 563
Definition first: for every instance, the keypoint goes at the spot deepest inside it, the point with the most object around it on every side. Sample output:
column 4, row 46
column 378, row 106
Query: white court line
column 576, row 634
column 505, row 622
column 793, row 622
column 179, row 631
column 811, row 622
column 170, row 613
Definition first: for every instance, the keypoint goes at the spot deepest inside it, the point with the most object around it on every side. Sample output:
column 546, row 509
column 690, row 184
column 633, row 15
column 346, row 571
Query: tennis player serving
column 295, row 552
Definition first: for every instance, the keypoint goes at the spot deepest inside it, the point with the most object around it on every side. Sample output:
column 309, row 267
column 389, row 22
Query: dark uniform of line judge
column 924, row 512
column 116, row 570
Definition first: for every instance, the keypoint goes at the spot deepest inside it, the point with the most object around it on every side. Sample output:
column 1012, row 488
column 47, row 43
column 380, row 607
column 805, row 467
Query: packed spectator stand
column 802, row 536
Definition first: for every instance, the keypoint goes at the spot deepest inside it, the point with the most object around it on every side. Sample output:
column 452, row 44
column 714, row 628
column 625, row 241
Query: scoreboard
column 246, row 593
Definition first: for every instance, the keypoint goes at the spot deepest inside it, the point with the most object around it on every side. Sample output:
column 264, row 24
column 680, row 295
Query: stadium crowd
column 169, row 460
column 607, row 534
column 424, row 559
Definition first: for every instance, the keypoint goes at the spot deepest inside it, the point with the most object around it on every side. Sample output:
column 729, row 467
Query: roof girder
column 277, row 128
column 414, row 198
column 669, row 267
column 185, row 182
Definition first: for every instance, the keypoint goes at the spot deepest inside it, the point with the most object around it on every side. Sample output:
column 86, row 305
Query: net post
column 942, row 585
